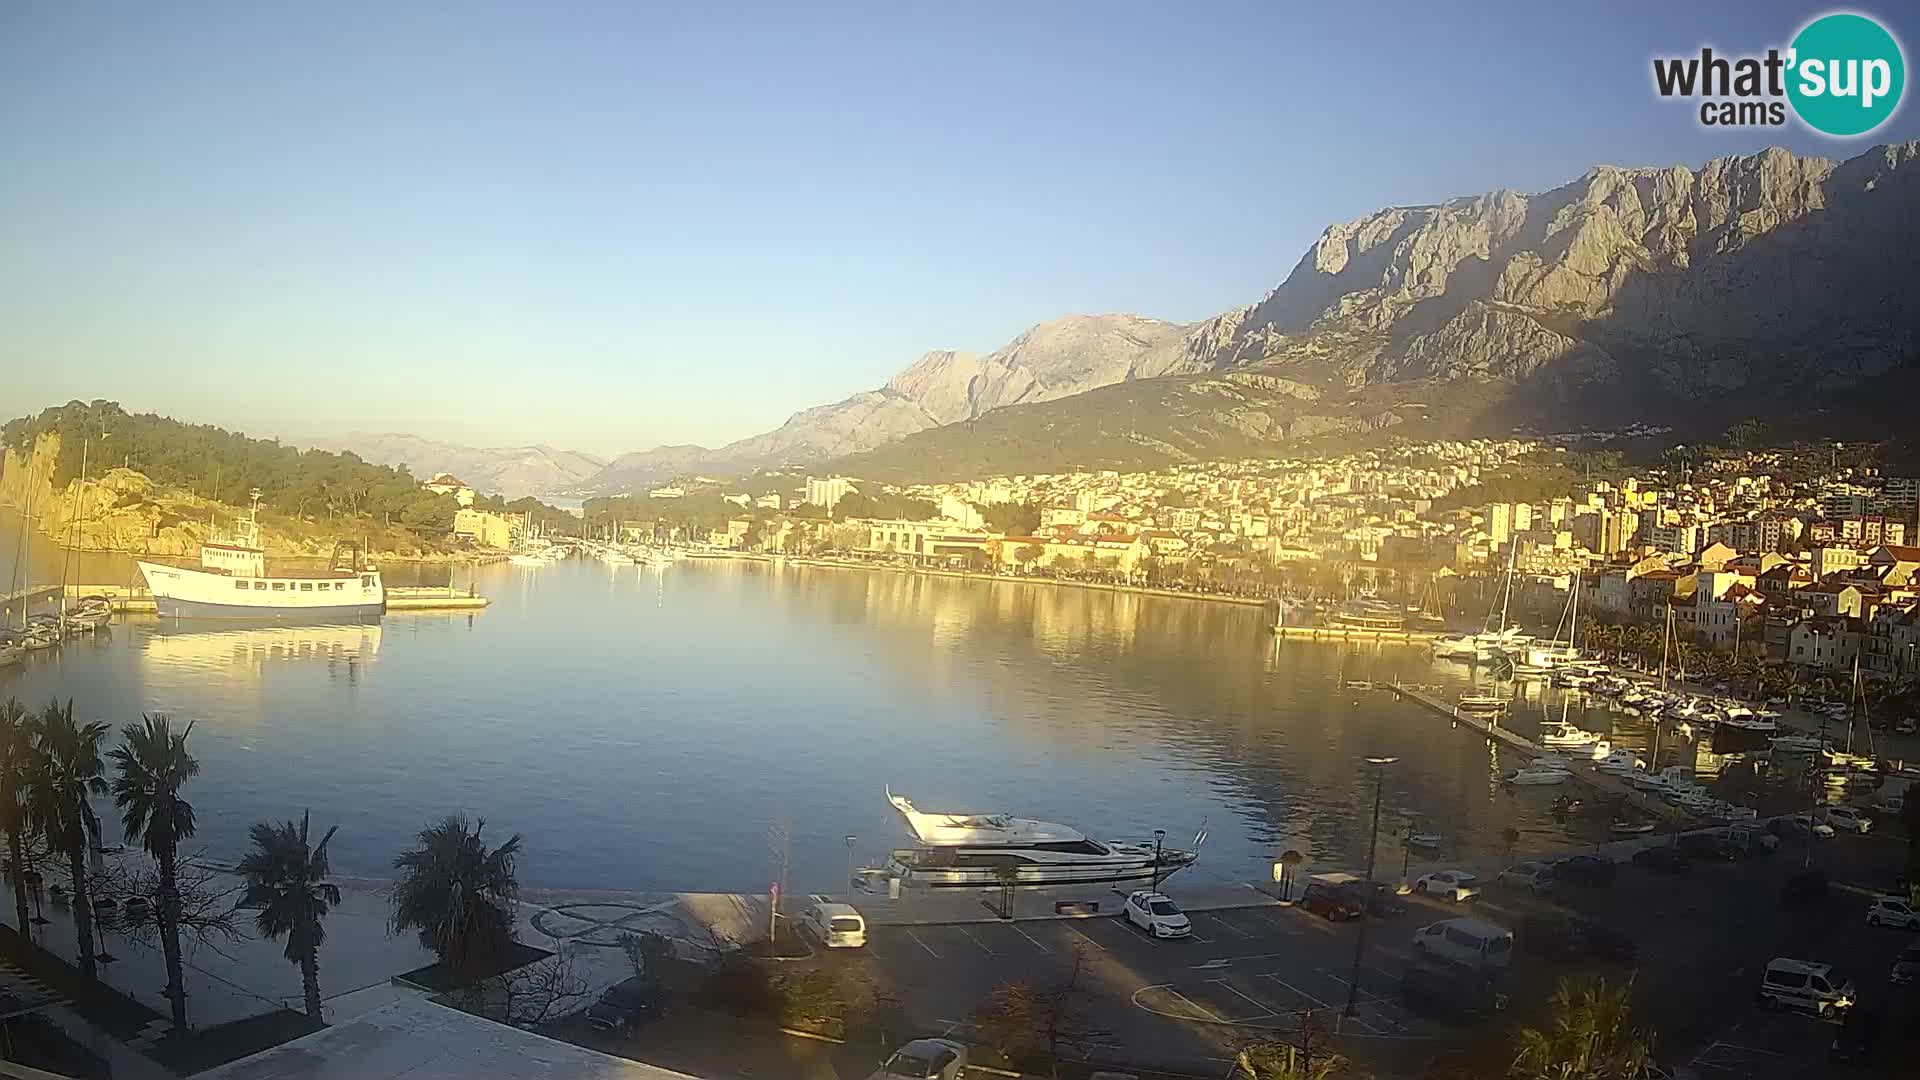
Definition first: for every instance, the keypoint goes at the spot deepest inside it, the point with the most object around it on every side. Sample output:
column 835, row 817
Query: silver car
column 1533, row 876
column 924, row 1059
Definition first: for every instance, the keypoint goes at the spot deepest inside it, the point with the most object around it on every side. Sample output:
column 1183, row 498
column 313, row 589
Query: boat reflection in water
column 226, row 647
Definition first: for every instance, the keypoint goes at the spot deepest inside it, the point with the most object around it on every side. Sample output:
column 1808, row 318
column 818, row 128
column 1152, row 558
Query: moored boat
column 232, row 582
column 969, row 850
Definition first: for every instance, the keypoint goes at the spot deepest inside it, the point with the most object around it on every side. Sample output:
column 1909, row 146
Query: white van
column 1797, row 984
column 1473, row 942
column 835, row 925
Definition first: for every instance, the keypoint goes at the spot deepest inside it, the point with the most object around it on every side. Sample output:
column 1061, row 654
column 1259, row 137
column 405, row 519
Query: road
column 1704, row 937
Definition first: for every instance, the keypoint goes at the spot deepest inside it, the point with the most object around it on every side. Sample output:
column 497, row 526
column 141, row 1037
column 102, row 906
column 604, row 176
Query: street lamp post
column 1159, row 835
column 850, row 842
column 1366, row 896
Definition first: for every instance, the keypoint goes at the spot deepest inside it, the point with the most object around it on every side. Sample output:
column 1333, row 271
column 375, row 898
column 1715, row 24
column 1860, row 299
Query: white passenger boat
column 232, row 582
column 964, row 850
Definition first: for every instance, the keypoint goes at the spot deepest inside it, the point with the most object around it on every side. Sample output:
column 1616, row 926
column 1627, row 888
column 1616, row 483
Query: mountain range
column 1768, row 285
column 511, row 471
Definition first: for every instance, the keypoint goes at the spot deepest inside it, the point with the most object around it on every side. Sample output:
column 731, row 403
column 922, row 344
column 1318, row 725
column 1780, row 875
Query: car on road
column 1449, row 992
column 1801, row 984
column 1593, row 871
column 1458, row 886
column 1820, row 828
column 1906, row 967
column 1536, row 877
column 1474, row 942
column 1568, row 937
column 1331, row 902
column 1707, row 847
column 1892, row 911
column 1847, row 819
column 1385, row 904
column 1665, row 858
column 924, row 1059
column 627, row 1004
column 1157, row 915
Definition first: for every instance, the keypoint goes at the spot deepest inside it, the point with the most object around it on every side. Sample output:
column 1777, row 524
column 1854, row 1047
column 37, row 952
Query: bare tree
column 1021, row 1018
column 205, row 898
column 1304, row 1054
column 532, row 995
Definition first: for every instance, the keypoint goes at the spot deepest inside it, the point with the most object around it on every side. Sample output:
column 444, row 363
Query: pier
column 23, row 597
column 1582, row 772
column 1348, row 633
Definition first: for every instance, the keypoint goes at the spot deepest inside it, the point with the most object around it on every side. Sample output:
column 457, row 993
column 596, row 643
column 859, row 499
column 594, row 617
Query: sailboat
column 1552, row 655
column 1490, row 643
column 1856, row 717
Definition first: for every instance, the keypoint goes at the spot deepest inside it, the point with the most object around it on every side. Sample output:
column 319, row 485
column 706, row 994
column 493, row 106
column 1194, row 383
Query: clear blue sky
column 607, row 226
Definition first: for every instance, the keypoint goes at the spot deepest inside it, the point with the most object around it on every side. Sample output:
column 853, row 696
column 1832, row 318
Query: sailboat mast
column 1665, row 636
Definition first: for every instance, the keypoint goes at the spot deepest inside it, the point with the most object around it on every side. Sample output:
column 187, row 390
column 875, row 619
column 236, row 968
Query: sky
column 609, row 226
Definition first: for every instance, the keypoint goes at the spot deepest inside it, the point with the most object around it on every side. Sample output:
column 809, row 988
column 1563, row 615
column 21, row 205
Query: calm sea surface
column 644, row 728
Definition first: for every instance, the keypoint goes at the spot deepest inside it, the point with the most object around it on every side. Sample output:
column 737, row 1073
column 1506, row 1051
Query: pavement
column 1703, row 937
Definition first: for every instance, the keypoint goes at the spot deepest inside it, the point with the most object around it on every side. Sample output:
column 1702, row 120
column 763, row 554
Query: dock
column 1582, row 772
column 1347, row 633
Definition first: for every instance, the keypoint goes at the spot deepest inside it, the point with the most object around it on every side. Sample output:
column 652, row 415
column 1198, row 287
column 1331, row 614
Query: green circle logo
column 1846, row 76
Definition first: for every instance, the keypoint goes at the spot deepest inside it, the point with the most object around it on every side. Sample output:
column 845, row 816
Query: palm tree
column 151, row 765
column 68, row 772
column 16, row 770
column 286, row 884
column 1591, row 1036
column 458, row 895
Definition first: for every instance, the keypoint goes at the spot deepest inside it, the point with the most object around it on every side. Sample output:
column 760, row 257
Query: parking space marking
column 1364, row 993
column 1266, row 1008
column 1302, row 993
column 1030, row 937
column 1196, row 1006
column 1230, row 926
column 976, row 941
column 922, row 944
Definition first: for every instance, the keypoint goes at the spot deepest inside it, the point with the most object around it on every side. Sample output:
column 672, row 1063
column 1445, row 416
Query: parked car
column 1847, row 819
column 1906, row 967
column 1752, row 841
column 1570, row 938
column 1662, row 857
column 1157, row 915
column 1820, row 828
column 1476, row 943
column 1892, row 911
column 924, row 1059
column 835, row 925
column 1858, row 1040
column 627, row 1004
column 1449, row 992
column 1536, row 877
column 1458, row 886
column 1707, row 847
column 1385, row 903
column 1334, row 903
column 1593, row 871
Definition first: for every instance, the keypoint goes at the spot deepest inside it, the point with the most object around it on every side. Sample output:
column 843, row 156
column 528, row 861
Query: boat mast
column 1665, row 636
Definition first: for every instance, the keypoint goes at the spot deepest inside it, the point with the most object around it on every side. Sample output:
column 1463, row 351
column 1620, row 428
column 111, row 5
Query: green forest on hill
column 227, row 466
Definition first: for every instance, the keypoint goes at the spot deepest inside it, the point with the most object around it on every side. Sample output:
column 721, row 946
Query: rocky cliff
column 122, row 510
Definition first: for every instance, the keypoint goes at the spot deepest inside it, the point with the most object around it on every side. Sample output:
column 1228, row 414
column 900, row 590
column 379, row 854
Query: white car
column 1892, row 911
column 1847, row 819
column 1157, row 915
column 1458, row 886
column 1820, row 828
column 924, row 1059
column 1534, row 876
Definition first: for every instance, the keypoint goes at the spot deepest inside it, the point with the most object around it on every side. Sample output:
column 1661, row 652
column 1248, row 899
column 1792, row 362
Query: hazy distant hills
column 1768, row 285
column 1066, row 356
column 512, row 471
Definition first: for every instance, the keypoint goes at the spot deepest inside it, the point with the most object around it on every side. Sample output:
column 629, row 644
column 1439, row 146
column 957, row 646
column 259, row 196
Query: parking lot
column 1703, row 939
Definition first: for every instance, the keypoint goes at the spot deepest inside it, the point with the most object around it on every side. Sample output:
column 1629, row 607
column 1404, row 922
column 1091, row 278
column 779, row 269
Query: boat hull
column 985, row 877
column 175, row 608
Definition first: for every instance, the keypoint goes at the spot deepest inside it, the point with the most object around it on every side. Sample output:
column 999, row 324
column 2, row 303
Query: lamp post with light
column 1366, row 896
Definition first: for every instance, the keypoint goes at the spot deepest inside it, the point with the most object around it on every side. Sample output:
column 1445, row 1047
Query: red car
column 1336, row 905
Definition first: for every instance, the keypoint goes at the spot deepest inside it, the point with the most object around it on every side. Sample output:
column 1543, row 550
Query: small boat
column 1423, row 840
column 1798, row 744
column 1530, row 777
column 1359, row 684
column 1564, row 734
column 1477, row 703
column 1624, row 827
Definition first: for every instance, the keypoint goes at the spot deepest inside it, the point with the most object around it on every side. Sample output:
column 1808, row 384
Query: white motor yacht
column 965, row 850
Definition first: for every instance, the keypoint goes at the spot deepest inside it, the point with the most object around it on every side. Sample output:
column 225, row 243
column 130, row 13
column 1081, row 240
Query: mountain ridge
column 509, row 471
